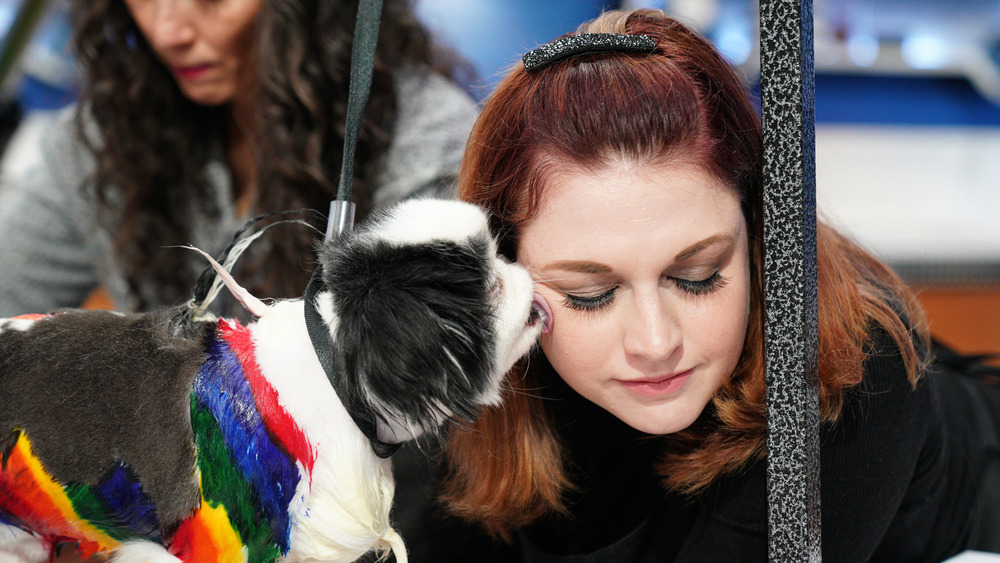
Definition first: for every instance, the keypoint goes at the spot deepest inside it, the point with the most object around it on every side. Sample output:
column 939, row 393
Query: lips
column 190, row 72
column 657, row 386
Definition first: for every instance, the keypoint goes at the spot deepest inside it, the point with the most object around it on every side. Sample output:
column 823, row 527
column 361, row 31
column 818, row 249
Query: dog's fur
column 112, row 426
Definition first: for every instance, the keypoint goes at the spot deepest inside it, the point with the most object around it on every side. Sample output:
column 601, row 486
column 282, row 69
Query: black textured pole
column 791, row 337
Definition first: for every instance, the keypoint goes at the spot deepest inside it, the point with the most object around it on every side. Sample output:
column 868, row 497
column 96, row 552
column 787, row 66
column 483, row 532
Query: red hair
column 683, row 102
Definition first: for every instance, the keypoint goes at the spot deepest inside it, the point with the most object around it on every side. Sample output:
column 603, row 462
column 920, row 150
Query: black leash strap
column 362, row 62
column 342, row 210
column 320, row 336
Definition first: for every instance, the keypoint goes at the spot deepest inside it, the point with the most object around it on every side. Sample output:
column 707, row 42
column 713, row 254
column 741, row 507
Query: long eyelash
column 590, row 303
column 711, row 284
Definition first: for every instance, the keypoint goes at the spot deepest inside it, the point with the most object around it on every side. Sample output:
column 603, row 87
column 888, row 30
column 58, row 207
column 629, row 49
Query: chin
column 151, row 437
column 203, row 96
column 210, row 100
column 661, row 419
column 656, row 428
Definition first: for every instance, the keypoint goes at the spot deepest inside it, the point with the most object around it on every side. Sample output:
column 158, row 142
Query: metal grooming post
column 791, row 336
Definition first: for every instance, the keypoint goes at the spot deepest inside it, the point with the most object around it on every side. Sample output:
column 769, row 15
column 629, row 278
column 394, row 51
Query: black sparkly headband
column 584, row 43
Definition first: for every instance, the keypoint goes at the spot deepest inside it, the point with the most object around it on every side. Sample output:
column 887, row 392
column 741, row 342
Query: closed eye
column 705, row 286
column 581, row 303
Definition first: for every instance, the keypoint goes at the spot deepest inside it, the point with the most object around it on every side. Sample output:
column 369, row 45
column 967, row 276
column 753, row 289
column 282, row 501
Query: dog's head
column 424, row 316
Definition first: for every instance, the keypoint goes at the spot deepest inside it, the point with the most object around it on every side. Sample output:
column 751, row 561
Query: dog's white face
column 425, row 317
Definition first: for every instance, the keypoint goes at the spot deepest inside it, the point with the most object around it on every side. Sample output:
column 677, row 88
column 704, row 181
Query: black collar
column 320, row 336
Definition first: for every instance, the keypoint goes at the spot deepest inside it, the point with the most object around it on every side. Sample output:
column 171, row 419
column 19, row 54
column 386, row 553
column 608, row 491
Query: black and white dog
column 152, row 437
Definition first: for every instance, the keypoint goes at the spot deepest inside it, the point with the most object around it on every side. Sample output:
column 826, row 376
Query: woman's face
column 205, row 44
column 646, row 269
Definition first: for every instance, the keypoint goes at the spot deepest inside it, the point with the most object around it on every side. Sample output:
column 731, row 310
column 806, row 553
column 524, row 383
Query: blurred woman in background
column 196, row 115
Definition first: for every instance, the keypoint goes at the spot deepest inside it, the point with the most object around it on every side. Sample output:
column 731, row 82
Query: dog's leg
column 18, row 546
column 141, row 552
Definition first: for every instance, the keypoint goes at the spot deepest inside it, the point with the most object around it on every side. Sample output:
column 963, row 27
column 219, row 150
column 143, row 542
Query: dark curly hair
column 152, row 143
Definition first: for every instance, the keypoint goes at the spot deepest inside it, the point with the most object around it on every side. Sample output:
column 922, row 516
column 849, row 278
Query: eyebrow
column 589, row 267
column 581, row 266
column 702, row 245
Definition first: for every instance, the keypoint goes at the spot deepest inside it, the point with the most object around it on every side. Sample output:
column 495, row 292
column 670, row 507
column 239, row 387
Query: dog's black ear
column 414, row 329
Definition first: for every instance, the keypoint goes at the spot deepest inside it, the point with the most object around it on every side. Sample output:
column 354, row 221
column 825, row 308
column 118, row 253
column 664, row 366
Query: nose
column 170, row 24
column 652, row 333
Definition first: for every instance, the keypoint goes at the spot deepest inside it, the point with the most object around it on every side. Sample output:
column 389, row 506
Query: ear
column 415, row 332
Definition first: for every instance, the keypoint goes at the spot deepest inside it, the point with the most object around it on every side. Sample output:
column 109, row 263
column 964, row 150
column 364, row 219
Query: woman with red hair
column 622, row 166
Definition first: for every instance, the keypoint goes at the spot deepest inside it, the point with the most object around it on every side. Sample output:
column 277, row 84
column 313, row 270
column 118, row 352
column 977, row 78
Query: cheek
column 725, row 329
column 233, row 31
column 578, row 347
column 236, row 42
column 143, row 16
column 246, row 35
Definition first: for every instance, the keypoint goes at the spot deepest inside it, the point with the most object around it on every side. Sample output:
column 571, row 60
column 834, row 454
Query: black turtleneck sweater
column 898, row 483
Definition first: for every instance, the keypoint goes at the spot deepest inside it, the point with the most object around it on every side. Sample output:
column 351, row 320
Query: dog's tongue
column 541, row 308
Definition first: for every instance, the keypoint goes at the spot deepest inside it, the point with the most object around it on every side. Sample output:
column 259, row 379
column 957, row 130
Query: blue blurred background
column 922, row 62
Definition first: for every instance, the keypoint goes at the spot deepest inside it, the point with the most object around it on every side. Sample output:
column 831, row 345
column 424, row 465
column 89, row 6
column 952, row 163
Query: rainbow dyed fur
column 251, row 459
column 152, row 437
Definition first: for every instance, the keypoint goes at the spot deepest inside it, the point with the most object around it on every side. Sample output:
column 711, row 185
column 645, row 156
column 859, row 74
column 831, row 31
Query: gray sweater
column 54, row 251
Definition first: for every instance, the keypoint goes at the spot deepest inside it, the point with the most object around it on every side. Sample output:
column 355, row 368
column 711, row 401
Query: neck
column 320, row 337
column 240, row 154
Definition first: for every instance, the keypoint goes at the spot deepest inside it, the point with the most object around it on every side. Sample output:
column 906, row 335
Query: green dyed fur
column 90, row 508
column 223, row 485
